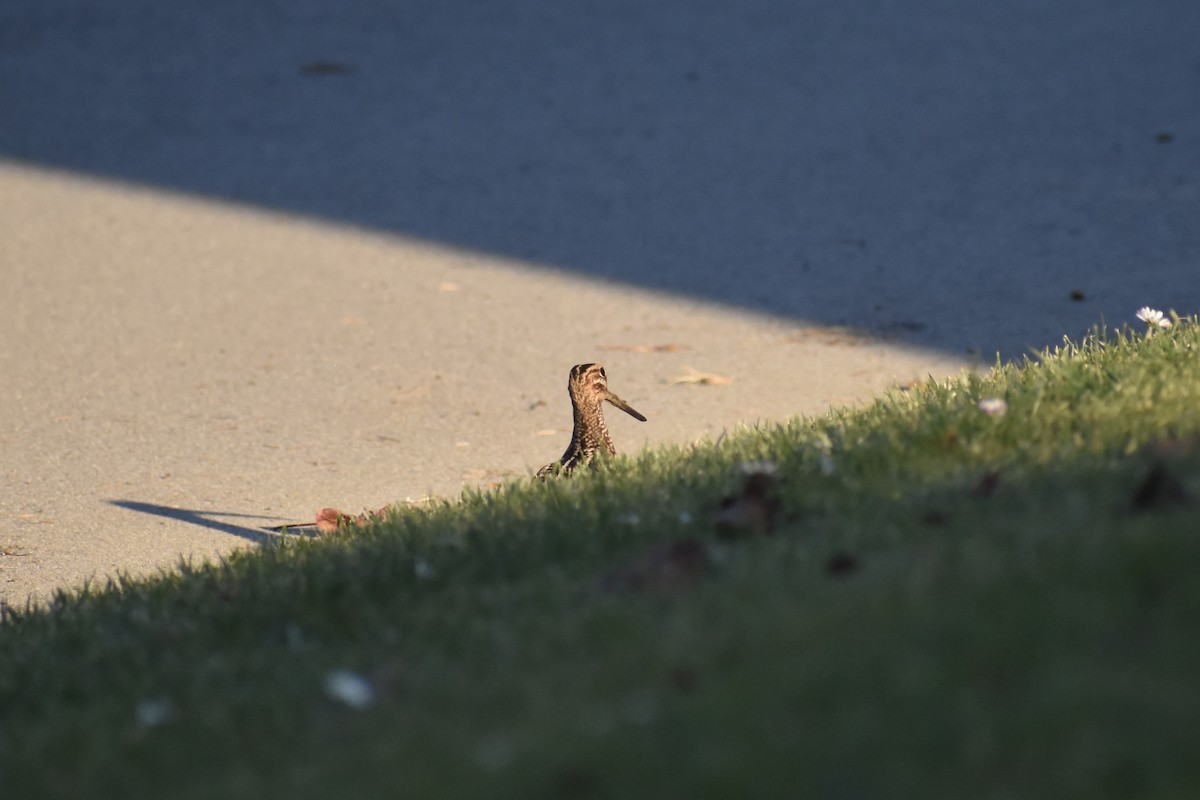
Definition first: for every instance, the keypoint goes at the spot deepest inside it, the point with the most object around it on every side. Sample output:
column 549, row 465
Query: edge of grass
column 997, row 568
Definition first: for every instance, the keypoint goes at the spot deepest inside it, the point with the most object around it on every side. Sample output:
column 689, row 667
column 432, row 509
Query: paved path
column 260, row 261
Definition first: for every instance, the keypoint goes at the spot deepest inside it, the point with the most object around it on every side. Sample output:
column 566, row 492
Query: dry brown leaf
column 988, row 484
column 1173, row 446
column 1160, row 489
column 841, row 565
column 328, row 520
column 668, row 567
column 693, row 376
column 751, row 512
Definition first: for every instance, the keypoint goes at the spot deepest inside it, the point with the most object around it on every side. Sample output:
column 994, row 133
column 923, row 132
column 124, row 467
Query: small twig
column 670, row 347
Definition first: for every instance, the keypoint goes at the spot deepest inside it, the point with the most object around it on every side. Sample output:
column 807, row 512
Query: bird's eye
column 602, row 375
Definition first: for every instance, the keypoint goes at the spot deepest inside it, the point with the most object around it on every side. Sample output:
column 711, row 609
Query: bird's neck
column 591, row 431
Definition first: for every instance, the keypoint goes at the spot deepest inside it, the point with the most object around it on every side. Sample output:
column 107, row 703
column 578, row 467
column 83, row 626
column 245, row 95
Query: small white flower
column 993, row 406
column 1152, row 316
column 153, row 712
column 347, row 686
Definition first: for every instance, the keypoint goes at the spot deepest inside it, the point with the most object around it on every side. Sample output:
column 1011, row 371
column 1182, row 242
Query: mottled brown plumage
column 588, row 387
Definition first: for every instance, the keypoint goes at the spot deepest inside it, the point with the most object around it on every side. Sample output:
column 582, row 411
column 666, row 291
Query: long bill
column 621, row 404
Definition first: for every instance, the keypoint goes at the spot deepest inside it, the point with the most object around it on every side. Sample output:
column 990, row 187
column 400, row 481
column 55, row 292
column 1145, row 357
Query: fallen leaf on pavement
column 695, row 377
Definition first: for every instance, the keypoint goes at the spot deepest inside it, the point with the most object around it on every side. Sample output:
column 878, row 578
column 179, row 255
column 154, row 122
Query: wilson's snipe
column 588, row 386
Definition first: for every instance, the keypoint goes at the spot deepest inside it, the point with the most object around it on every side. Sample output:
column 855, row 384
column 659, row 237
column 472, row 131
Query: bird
column 588, row 387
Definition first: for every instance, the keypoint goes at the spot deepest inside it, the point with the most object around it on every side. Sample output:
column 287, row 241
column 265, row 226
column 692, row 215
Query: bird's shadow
column 210, row 519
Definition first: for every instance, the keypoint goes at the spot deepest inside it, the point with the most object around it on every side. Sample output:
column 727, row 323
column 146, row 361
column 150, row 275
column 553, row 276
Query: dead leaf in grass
column 752, row 511
column 1173, row 446
column 988, row 484
column 668, row 567
column 693, row 376
column 1159, row 489
column 841, row 565
column 329, row 519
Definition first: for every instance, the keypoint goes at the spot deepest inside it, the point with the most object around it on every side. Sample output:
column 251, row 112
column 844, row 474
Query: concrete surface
column 264, row 258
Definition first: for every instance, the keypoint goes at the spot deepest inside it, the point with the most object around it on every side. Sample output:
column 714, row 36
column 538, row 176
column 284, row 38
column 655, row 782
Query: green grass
column 951, row 604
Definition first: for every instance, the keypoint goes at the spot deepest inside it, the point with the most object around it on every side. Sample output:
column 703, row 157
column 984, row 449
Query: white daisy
column 1152, row 316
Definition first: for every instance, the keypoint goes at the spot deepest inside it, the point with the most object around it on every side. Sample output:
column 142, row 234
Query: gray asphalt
column 264, row 258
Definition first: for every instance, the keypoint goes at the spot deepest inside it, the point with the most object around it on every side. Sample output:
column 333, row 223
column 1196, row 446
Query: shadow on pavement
column 956, row 175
